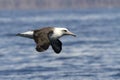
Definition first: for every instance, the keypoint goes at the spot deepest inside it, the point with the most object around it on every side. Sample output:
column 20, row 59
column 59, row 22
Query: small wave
column 68, row 17
column 5, row 20
column 9, row 35
column 60, row 17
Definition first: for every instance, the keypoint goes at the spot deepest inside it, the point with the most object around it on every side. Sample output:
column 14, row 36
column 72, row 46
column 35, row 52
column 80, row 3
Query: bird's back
column 41, row 38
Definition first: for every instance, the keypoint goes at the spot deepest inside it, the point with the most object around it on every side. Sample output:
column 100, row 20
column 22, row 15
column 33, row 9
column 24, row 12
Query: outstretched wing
column 42, row 41
column 56, row 45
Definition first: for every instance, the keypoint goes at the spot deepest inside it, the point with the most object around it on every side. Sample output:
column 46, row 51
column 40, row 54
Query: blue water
column 93, row 55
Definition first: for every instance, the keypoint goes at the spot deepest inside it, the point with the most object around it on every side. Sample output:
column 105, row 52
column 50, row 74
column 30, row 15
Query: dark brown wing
column 56, row 45
column 41, row 39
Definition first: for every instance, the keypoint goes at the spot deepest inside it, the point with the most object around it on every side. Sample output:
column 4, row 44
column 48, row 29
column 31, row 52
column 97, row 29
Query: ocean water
column 93, row 55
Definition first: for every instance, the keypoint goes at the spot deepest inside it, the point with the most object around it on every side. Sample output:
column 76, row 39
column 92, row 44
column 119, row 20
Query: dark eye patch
column 65, row 30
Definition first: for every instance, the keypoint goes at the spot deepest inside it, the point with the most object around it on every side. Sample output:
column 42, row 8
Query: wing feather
column 41, row 39
column 56, row 45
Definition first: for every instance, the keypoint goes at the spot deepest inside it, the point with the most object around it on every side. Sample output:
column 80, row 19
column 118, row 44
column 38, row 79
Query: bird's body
column 47, row 36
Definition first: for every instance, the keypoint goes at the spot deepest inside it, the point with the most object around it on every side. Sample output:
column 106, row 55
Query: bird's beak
column 70, row 33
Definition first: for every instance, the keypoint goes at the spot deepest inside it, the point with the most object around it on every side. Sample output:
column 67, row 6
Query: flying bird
column 47, row 36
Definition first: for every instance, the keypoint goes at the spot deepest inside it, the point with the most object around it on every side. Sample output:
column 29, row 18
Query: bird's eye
column 65, row 30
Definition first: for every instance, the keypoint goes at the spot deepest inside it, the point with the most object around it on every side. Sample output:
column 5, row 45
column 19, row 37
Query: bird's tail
column 28, row 34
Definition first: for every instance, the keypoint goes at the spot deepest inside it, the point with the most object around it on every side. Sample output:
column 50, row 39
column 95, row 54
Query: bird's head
column 59, row 32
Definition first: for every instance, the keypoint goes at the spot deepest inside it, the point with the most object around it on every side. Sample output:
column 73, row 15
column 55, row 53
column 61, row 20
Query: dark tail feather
column 18, row 34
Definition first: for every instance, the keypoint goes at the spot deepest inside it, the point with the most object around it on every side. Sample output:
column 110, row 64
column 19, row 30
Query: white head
column 59, row 32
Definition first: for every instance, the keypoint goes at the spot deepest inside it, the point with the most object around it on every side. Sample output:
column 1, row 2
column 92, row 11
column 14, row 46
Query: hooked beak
column 70, row 33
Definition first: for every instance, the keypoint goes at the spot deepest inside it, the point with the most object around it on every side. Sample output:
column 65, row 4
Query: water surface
column 93, row 55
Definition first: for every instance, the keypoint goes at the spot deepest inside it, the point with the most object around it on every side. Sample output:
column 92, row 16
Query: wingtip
column 57, row 52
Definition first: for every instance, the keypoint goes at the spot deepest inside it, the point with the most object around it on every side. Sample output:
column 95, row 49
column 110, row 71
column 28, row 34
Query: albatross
column 47, row 36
